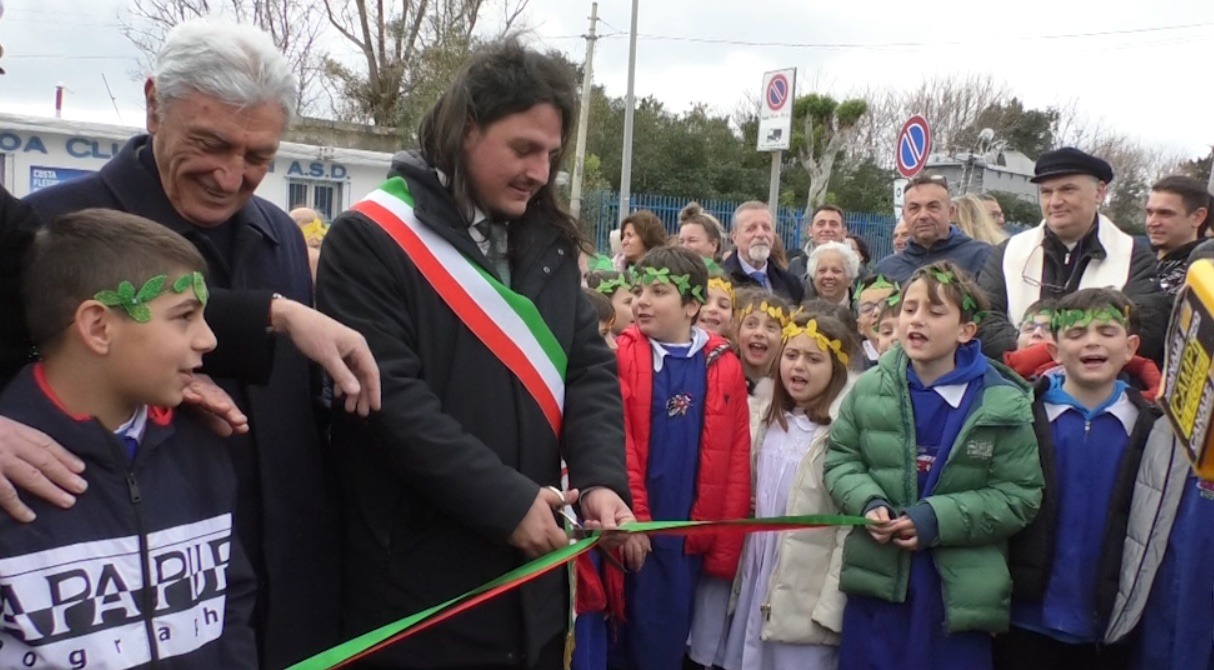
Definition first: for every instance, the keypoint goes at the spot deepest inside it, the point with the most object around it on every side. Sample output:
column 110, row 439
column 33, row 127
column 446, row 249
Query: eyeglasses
column 1030, row 327
column 1035, row 282
column 867, row 308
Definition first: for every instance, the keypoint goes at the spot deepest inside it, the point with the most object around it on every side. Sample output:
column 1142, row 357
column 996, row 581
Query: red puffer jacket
column 723, row 479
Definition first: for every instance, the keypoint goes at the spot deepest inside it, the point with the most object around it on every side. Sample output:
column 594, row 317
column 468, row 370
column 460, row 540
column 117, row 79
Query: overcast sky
column 1142, row 68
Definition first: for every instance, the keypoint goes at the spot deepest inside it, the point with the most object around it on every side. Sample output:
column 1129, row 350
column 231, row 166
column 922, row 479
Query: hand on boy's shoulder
column 214, row 406
column 31, row 461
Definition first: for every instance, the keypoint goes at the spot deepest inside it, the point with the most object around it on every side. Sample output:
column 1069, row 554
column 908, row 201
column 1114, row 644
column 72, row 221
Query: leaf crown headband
column 610, row 286
column 774, row 311
column 878, row 282
column 316, row 230
column 682, row 283
column 721, row 285
column 135, row 303
column 968, row 302
column 811, row 331
column 1065, row 319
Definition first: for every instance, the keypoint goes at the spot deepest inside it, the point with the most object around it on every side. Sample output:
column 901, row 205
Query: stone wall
column 325, row 133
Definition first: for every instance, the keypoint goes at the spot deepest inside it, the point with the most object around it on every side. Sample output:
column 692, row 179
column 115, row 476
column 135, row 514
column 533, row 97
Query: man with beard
column 753, row 236
column 462, row 272
column 1178, row 215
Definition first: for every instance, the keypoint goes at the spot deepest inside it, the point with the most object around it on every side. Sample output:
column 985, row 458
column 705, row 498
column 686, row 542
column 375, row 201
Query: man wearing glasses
column 1074, row 247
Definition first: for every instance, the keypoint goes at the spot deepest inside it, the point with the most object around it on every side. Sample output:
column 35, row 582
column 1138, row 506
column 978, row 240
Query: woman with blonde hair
column 975, row 221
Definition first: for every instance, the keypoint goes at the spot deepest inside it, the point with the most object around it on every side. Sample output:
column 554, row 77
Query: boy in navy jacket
column 145, row 569
column 1091, row 430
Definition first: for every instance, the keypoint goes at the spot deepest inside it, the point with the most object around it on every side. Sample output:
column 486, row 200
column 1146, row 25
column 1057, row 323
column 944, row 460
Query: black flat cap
column 1069, row 160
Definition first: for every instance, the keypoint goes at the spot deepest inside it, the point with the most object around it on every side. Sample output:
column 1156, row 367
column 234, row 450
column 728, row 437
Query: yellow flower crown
column 315, row 230
column 824, row 343
column 774, row 311
column 721, row 285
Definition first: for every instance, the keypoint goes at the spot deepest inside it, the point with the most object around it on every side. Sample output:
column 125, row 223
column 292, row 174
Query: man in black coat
column 452, row 484
column 1074, row 247
column 196, row 173
column 753, row 237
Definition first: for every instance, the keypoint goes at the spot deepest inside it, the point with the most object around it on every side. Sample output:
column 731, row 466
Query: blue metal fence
column 600, row 210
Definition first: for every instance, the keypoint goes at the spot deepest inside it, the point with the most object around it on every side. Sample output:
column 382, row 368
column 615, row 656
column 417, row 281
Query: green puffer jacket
column 989, row 490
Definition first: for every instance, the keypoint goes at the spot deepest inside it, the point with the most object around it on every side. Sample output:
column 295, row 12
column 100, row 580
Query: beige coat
column 804, row 604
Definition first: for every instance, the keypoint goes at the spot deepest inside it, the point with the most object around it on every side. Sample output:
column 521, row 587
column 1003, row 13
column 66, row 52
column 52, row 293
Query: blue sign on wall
column 42, row 177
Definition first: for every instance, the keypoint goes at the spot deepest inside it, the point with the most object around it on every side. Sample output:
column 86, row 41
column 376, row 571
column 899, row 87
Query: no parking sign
column 913, row 147
column 775, row 113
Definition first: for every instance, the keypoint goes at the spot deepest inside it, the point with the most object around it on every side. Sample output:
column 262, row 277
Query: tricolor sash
column 506, row 322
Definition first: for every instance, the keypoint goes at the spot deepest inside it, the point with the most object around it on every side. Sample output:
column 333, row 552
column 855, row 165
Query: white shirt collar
column 699, row 338
column 136, row 425
column 748, row 268
column 870, row 352
column 952, row 393
column 1122, row 409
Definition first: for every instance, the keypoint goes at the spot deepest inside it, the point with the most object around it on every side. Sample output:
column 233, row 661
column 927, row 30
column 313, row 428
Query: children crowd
column 1019, row 511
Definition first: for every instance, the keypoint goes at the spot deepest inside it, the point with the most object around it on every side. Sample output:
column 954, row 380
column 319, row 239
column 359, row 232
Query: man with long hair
column 462, row 272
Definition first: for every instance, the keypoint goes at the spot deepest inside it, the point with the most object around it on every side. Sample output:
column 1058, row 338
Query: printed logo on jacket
column 81, row 606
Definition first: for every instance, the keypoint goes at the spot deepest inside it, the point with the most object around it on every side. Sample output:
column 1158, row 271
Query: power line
column 65, row 57
column 880, row 45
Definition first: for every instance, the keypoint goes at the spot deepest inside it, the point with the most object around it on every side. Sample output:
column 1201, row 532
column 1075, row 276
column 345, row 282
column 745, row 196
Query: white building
column 1003, row 170
column 38, row 152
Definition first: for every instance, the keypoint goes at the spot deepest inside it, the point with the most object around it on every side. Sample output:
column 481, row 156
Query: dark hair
column 828, row 208
column 954, row 291
column 819, row 410
column 92, row 250
column 602, row 304
column 885, row 310
column 1044, row 305
column 1098, row 298
column 1192, row 193
column 648, row 227
column 694, row 213
column 861, row 248
column 927, row 179
column 679, row 261
column 842, row 314
column 501, row 79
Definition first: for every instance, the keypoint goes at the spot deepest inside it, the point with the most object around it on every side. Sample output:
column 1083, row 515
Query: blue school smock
column 912, row 635
column 659, row 598
column 590, row 634
column 1177, row 629
column 1089, row 445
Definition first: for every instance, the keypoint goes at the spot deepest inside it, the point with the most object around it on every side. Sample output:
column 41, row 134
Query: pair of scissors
column 577, row 531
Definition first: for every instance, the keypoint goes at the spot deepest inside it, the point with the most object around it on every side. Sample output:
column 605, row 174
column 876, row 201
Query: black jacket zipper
column 147, row 603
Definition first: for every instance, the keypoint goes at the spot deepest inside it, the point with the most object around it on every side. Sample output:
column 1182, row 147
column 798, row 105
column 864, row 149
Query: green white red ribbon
column 368, row 643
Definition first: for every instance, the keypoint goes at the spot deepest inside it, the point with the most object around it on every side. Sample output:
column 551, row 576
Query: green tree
column 1029, row 131
column 828, row 127
column 1016, row 209
column 1199, row 168
column 863, row 186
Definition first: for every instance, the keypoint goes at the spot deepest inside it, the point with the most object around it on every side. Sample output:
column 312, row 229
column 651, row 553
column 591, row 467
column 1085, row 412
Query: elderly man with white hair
column 831, row 271
column 218, row 99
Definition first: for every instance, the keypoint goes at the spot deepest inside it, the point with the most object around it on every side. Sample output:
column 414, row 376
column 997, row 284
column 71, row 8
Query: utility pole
column 629, row 103
column 579, row 154
column 1210, row 183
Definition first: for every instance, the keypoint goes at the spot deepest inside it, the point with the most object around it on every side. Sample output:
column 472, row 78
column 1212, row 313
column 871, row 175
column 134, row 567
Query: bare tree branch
column 293, row 25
